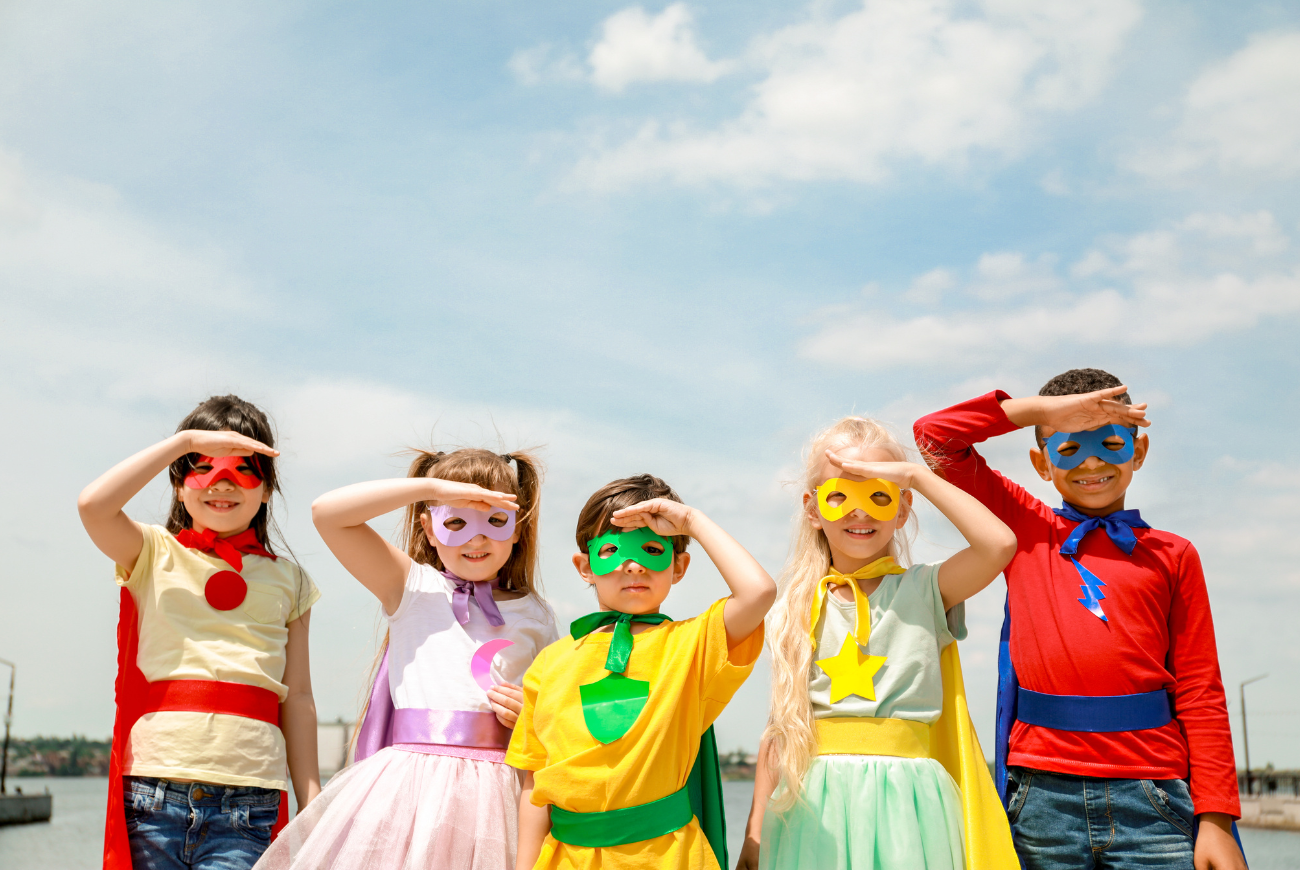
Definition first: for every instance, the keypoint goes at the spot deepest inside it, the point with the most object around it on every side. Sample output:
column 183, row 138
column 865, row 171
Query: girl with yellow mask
column 869, row 759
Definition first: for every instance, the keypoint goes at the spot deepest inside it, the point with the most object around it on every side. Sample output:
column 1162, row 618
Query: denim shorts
column 174, row 825
column 1082, row 823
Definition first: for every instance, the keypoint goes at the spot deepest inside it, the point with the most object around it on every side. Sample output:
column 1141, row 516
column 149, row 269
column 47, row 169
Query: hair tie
column 506, row 457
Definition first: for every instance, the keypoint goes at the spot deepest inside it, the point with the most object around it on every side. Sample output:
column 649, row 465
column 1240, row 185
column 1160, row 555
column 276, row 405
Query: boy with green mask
column 615, row 733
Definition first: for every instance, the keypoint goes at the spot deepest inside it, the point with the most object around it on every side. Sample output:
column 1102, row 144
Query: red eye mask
column 223, row 468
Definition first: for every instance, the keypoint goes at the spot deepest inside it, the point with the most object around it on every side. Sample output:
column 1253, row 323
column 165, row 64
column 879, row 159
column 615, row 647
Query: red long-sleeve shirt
column 1158, row 635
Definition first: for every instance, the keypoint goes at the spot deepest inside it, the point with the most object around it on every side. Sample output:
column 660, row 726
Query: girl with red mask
column 213, row 689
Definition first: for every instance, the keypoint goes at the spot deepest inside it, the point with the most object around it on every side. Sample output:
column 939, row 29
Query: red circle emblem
column 225, row 590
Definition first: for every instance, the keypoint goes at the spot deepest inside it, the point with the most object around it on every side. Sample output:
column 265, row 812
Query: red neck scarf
column 230, row 549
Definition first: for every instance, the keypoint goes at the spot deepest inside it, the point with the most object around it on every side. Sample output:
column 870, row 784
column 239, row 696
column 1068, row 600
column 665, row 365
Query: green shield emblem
column 612, row 704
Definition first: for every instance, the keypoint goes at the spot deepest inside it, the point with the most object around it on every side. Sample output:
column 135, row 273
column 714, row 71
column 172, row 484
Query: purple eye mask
column 476, row 523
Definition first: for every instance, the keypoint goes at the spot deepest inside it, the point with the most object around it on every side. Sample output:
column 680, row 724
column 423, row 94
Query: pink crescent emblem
column 481, row 664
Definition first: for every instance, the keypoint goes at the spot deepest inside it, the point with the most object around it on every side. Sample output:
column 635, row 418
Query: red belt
column 137, row 697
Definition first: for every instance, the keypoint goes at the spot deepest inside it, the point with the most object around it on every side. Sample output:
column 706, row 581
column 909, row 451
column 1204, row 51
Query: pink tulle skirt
column 401, row 810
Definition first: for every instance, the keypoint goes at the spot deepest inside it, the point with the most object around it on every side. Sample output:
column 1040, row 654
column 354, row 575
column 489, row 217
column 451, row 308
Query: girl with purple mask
column 428, row 785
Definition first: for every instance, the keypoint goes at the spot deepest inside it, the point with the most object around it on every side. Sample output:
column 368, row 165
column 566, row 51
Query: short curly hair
column 1077, row 381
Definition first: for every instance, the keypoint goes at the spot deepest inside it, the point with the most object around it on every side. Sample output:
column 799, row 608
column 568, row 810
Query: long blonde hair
column 792, row 741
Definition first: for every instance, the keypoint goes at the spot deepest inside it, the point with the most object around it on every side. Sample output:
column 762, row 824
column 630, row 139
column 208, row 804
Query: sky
column 676, row 238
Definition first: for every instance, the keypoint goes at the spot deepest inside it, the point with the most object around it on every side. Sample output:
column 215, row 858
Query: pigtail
column 412, row 538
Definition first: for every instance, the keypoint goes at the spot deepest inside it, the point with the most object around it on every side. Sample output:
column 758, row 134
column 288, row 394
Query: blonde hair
column 490, row 471
column 792, row 740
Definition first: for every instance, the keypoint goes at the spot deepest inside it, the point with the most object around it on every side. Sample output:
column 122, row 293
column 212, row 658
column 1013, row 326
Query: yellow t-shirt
column 692, row 676
column 182, row 637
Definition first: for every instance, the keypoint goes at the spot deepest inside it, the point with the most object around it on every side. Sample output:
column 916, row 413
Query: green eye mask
column 630, row 545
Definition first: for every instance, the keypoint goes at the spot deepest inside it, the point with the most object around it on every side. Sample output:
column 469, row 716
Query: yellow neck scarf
column 862, row 627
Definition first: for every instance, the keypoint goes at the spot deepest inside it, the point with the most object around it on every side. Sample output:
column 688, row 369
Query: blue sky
column 673, row 237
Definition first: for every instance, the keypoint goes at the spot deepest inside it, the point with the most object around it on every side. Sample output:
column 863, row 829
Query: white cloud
column 896, row 80
column 929, row 288
column 545, row 63
column 634, row 47
column 1207, row 275
column 1007, row 275
column 638, row 47
column 1241, row 114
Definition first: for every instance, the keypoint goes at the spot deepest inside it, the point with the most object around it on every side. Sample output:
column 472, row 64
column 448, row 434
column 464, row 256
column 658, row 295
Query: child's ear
column 582, row 562
column 1140, row 446
column 904, row 506
column 426, row 523
column 266, row 494
column 1039, row 460
column 810, row 509
column 681, row 562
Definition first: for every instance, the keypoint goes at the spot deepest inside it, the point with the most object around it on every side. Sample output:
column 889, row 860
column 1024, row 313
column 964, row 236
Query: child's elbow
column 767, row 596
column 320, row 510
column 86, row 503
column 1006, row 548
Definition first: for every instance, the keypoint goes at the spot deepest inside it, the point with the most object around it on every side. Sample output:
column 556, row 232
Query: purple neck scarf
column 481, row 592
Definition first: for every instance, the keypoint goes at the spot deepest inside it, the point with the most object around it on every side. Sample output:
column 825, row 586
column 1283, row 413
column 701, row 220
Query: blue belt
column 1094, row 713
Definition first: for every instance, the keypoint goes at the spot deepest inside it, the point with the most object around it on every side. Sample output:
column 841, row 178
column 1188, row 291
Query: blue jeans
column 174, row 825
column 1062, row 822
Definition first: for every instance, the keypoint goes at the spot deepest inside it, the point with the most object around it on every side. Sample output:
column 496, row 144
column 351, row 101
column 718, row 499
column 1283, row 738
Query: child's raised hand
column 457, row 494
column 901, row 473
column 507, row 702
column 1089, row 410
column 208, row 442
column 664, row 517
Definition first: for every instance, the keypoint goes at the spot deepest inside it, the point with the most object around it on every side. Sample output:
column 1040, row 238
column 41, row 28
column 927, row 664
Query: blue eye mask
column 1089, row 443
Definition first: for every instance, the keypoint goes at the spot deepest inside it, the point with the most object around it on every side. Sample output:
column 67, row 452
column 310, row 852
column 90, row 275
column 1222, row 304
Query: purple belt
column 412, row 726
column 449, row 727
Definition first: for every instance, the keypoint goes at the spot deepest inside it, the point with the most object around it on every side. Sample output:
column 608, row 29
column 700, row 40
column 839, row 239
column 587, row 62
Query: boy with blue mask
column 1113, row 743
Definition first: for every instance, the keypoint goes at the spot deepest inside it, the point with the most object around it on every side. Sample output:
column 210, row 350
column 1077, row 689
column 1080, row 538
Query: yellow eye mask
column 837, row 498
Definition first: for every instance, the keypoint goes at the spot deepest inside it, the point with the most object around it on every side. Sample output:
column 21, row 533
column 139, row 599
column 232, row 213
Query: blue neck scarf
column 1119, row 527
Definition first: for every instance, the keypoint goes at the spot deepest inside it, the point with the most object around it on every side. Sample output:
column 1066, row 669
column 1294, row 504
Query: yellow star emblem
column 851, row 672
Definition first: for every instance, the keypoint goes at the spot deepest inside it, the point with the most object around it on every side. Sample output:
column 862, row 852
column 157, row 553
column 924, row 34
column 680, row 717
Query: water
column 72, row 839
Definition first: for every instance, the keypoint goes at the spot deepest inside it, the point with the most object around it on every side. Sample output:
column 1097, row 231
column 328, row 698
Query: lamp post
column 9, row 716
column 1245, row 739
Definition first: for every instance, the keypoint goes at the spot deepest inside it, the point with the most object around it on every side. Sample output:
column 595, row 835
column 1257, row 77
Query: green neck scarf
column 620, row 646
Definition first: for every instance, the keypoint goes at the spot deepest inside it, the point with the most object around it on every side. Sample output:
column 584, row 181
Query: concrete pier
column 18, row 809
column 1278, row 813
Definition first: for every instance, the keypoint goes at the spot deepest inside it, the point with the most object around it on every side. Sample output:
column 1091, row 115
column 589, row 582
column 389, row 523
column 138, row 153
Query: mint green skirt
column 868, row 812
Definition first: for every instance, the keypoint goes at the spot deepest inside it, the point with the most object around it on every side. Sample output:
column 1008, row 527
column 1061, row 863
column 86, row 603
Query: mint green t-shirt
column 910, row 628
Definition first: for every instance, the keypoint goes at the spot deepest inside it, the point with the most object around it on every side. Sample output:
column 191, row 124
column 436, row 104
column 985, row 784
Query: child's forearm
column 298, row 719
column 534, row 825
column 110, row 492
column 357, row 504
column 992, row 543
column 752, row 589
column 298, row 712
column 100, row 504
column 765, row 778
column 1027, row 411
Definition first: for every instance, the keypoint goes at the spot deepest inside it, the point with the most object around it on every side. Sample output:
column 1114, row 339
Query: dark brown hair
column 231, row 413
column 490, row 471
column 617, row 494
column 1078, row 381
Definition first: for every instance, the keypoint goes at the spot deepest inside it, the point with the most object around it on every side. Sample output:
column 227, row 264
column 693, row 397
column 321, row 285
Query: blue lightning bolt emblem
column 1092, row 594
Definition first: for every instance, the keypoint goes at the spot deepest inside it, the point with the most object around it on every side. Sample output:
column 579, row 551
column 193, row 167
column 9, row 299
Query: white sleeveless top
column 429, row 651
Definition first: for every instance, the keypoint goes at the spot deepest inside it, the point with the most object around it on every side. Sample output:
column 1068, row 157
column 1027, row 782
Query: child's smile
column 223, row 507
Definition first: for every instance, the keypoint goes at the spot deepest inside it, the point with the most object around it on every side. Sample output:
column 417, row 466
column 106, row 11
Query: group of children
column 490, row 740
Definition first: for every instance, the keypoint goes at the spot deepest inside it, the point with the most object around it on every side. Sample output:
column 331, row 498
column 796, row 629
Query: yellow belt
column 854, row 735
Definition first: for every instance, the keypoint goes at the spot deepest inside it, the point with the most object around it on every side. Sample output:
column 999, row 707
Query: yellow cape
column 953, row 744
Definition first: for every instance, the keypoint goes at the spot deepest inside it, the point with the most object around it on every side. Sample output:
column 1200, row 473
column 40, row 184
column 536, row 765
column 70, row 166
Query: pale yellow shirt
column 182, row 637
